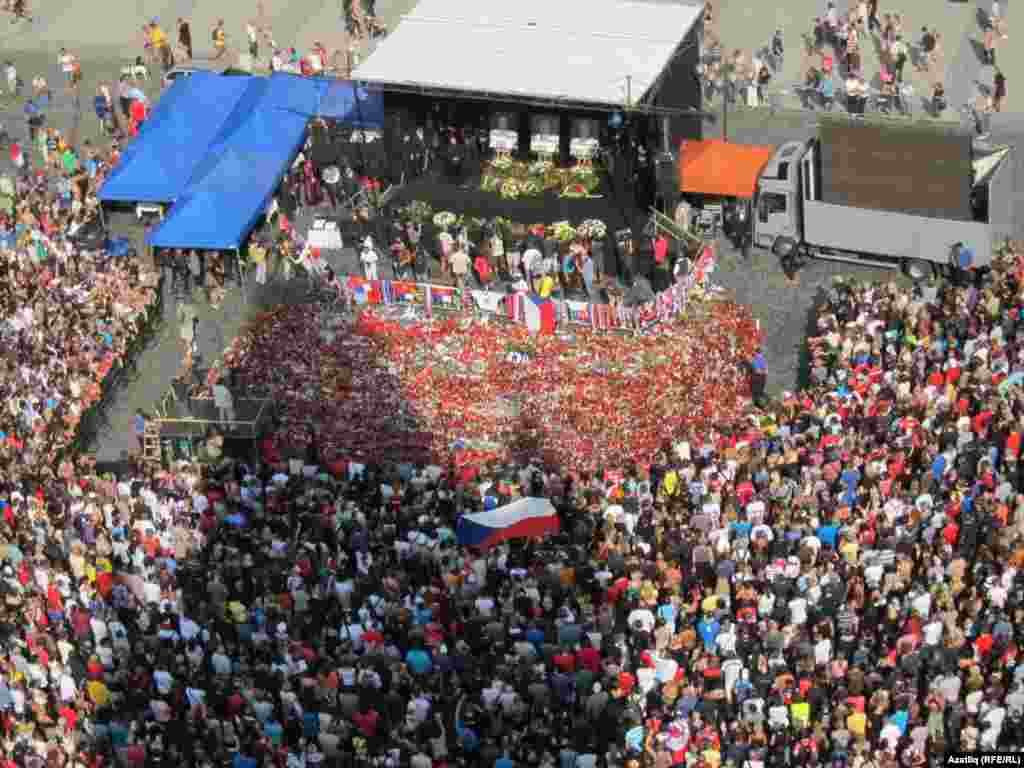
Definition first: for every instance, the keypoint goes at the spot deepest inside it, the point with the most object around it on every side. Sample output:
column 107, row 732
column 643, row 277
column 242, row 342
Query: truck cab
column 777, row 204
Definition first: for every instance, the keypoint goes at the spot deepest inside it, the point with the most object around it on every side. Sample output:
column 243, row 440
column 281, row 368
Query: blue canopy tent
column 245, row 158
column 343, row 100
column 160, row 163
column 353, row 104
column 295, row 93
column 219, row 210
column 247, row 106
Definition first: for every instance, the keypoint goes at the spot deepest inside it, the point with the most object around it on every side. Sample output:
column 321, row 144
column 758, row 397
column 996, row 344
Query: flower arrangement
column 575, row 191
column 564, row 231
column 531, row 188
column 592, row 229
column 374, row 192
column 416, row 212
column 510, row 189
column 502, row 163
column 445, row 219
column 540, row 167
column 582, row 172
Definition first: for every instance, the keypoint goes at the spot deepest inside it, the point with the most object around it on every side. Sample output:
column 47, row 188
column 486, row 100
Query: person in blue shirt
column 419, row 661
column 741, row 528
column 635, row 739
column 274, row 731
column 311, row 725
column 828, row 534
column 468, row 738
column 422, row 614
column 535, row 637
column 758, row 377
column 708, row 629
column 850, row 478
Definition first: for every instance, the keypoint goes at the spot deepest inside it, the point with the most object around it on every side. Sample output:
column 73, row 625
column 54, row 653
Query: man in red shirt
column 366, row 721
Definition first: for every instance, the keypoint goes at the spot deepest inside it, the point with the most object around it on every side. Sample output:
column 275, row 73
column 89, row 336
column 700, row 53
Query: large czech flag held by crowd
column 522, row 519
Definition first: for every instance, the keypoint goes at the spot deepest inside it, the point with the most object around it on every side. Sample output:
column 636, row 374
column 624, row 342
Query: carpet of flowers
column 470, row 390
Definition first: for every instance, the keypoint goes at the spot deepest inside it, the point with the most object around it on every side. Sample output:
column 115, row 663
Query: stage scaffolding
column 183, row 422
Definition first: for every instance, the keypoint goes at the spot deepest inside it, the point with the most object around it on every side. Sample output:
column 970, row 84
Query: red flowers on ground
column 452, row 389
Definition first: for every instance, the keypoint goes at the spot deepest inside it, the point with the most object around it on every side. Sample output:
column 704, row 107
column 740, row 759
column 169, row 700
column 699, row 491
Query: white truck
column 886, row 195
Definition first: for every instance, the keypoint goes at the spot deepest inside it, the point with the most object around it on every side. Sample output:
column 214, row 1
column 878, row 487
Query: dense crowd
column 832, row 580
column 70, row 312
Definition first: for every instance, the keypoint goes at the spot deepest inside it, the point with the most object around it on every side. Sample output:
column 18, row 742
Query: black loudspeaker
column 666, row 179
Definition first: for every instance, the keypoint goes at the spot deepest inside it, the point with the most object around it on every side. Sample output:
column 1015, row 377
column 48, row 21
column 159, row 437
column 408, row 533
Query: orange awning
column 716, row 167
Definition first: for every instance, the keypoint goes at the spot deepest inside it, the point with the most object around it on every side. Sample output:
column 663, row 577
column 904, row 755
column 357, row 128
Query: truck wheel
column 917, row 269
column 783, row 247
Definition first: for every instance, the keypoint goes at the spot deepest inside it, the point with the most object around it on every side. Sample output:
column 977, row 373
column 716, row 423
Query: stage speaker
column 666, row 178
column 241, row 448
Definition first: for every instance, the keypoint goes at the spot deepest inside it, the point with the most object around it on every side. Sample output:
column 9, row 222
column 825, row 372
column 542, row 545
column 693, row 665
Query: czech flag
column 539, row 314
column 522, row 519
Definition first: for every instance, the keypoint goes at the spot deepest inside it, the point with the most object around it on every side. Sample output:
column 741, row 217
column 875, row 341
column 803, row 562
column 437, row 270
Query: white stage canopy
column 579, row 51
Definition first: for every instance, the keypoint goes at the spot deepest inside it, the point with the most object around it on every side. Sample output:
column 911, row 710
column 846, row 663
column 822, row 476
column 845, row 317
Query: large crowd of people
column 832, row 578
column 72, row 314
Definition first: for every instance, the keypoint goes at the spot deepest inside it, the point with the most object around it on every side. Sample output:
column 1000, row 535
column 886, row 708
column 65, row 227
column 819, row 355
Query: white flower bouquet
column 592, row 229
column 510, row 189
column 444, row 219
column 540, row 167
